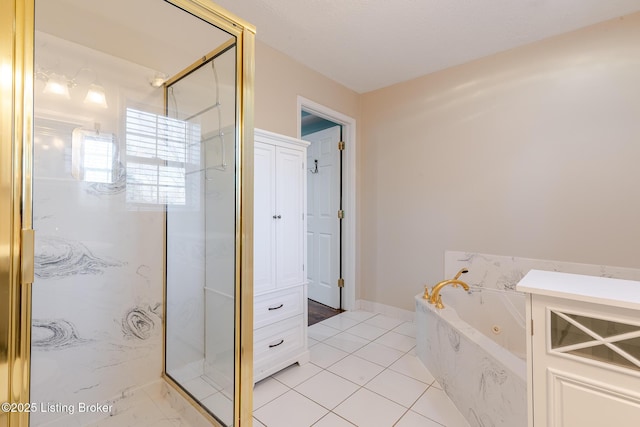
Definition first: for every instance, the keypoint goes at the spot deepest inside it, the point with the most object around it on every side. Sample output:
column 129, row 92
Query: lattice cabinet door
column 585, row 364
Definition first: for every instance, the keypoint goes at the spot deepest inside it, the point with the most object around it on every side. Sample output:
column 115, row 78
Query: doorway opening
column 330, row 213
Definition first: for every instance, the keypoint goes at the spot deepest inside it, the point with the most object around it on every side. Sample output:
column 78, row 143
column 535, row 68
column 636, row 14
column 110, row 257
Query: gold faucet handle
column 426, row 292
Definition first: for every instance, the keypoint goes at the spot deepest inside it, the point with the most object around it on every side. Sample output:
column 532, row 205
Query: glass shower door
column 136, row 186
column 201, row 231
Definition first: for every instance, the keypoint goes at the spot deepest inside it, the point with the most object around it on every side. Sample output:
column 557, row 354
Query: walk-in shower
column 141, row 191
column 200, row 105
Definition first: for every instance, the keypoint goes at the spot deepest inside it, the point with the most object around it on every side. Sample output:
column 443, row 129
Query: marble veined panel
column 493, row 306
column 97, row 295
column 504, row 272
column 486, row 383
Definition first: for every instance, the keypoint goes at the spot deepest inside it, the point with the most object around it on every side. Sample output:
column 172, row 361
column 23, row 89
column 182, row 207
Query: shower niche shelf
column 280, row 286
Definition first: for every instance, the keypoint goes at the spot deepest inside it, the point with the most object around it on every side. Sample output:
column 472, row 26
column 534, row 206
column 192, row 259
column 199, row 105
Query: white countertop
column 598, row 290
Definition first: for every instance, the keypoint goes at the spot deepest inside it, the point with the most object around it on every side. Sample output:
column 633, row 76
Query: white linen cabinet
column 280, row 286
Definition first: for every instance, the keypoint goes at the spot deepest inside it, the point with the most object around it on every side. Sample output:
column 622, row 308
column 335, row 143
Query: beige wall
column 533, row 153
column 279, row 81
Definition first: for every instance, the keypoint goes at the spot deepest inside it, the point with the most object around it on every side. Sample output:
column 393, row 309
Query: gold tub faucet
column 435, row 297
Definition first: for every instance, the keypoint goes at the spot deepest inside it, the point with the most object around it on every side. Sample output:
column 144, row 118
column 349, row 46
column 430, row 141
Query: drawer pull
column 275, row 308
column 275, row 345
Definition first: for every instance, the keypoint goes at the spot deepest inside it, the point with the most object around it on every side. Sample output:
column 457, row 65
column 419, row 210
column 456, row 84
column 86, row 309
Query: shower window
column 158, row 151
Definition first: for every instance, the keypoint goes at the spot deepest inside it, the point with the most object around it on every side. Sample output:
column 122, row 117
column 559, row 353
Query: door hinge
column 341, row 214
column 27, row 253
column 341, row 145
column 531, row 327
column 341, row 282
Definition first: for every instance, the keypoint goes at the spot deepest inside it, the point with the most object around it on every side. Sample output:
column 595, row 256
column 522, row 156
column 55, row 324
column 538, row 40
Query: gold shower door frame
column 16, row 201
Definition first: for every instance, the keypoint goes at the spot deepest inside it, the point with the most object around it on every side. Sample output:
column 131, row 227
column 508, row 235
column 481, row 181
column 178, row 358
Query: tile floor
column 363, row 372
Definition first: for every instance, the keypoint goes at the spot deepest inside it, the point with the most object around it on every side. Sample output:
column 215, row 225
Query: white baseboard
column 387, row 310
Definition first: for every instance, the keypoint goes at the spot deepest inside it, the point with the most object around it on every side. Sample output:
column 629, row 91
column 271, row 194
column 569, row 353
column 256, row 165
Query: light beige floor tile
column 384, row 322
column 327, row 389
column 320, row 332
column 412, row 419
column 397, row 341
column 199, row 388
column 367, row 331
column 406, row 328
column 267, row 390
column 325, row 355
column 358, row 315
column 379, row 354
column 397, row 387
column 355, row 369
column 340, row 322
column 332, row 420
column 257, row 423
column 436, row 405
column 290, row 410
column 368, row 409
column 221, row 406
column 412, row 366
column 295, row 374
column 346, row 342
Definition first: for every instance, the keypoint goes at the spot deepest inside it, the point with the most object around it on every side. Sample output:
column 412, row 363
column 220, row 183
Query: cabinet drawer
column 276, row 306
column 278, row 340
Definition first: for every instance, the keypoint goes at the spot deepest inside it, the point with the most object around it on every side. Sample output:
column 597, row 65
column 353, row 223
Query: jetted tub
column 485, row 381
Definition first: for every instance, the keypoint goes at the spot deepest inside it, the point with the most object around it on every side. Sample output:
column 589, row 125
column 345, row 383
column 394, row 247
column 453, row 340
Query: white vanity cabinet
column 280, row 287
column 584, row 353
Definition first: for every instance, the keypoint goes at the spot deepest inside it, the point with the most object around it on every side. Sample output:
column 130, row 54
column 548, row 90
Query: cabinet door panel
column 264, row 224
column 290, row 224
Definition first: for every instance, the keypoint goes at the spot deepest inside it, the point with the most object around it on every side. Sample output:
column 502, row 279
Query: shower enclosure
column 127, row 147
column 200, row 241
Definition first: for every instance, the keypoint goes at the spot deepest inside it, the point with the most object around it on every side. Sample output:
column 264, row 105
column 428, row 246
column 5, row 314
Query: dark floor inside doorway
column 319, row 312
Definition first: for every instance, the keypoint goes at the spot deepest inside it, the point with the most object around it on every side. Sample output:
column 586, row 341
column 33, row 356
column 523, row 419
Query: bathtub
column 485, row 381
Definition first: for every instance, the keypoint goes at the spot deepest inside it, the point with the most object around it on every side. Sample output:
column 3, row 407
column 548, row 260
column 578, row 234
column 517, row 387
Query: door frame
column 16, row 235
column 349, row 190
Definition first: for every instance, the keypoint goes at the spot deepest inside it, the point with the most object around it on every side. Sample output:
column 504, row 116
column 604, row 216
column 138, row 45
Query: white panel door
column 323, row 238
column 264, row 243
column 289, row 217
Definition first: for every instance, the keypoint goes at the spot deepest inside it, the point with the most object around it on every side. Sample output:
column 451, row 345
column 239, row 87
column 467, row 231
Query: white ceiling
column 369, row 44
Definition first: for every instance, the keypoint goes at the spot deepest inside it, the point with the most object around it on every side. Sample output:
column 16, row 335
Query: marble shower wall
column 97, row 295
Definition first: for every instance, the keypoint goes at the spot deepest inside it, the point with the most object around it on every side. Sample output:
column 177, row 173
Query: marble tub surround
column 475, row 347
column 486, row 382
column 492, row 280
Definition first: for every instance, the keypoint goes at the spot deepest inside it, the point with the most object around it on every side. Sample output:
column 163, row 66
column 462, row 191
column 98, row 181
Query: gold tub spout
column 435, row 297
